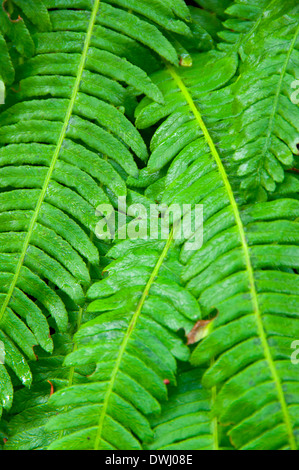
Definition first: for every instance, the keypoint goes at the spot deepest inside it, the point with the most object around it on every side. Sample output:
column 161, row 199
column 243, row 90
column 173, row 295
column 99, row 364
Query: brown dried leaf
column 199, row 331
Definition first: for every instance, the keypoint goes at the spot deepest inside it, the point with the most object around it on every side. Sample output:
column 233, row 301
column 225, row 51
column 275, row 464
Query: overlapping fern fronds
column 249, row 254
column 267, row 126
column 222, row 132
column 18, row 21
column 233, row 272
column 186, row 421
column 64, row 139
column 132, row 347
column 31, row 410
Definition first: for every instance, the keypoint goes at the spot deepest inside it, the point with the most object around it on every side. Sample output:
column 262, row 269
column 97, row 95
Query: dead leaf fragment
column 199, row 331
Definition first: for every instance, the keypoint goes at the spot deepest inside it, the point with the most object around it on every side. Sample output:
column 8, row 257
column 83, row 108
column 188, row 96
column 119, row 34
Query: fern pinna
column 18, row 19
column 162, row 104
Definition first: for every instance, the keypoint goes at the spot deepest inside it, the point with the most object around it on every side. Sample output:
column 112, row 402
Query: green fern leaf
column 16, row 33
column 31, row 410
column 132, row 347
column 244, row 18
column 67, row 144
column 36, row 12
column 186, row 421
column 239, row 271
column 7, row 70
column 54, row 158
column 267, row 128
column 215, row 6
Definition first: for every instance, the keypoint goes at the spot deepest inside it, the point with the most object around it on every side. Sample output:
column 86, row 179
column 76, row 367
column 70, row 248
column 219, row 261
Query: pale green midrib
column 245, row 248
column 278, row 91
column 126, row 339
column 54, row 158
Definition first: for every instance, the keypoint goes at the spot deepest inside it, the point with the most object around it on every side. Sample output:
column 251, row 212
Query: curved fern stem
column 128, row 335
column 245, row 248
column 54, row 158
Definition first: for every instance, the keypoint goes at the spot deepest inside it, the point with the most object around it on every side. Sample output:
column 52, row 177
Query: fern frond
column 186, row 421
column 266, row 130
column 132, row 346
column 131, row 20
column 7, row 69
column 61, row 137
column 18, row 20
column 244, row 17
column 68, row 144
column 216, row 6
column 31, row 410
column 204, row 27
column 240, row 270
